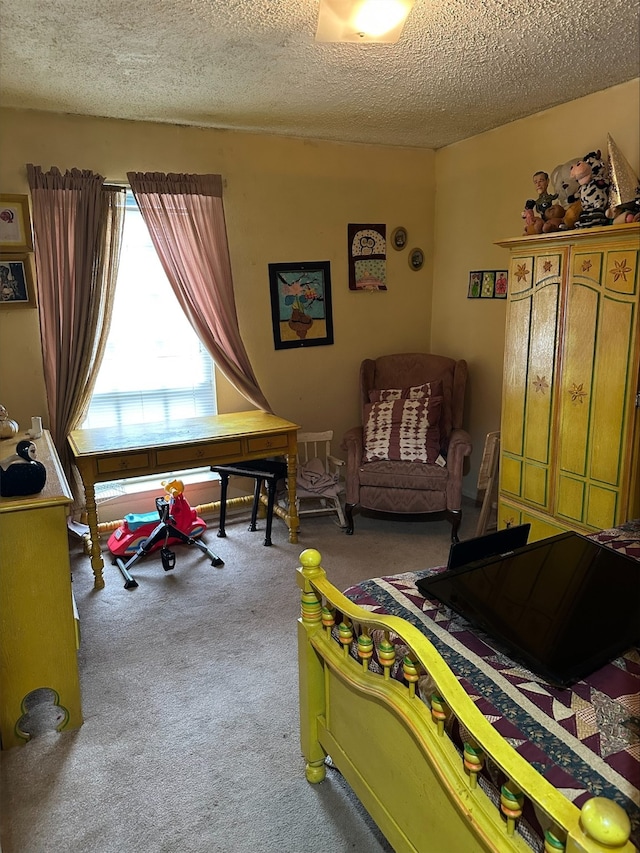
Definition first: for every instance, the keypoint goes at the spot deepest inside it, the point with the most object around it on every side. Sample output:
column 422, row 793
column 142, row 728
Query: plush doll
column 553, row 218
column 550, row 211
column 565, row 186
column 590, row 173
column 532, row 224
column 545, row 198
column 622, row 214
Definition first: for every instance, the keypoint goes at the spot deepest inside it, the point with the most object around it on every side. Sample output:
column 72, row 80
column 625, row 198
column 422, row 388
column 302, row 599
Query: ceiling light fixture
column 362, row 20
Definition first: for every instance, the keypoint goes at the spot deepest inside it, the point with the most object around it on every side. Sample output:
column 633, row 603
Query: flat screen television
column 563, row 606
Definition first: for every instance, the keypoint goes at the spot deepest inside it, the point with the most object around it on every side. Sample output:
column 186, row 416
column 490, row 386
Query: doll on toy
column 590, row 173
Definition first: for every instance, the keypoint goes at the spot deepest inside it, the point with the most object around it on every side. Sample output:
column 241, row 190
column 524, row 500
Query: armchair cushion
column 402, row 430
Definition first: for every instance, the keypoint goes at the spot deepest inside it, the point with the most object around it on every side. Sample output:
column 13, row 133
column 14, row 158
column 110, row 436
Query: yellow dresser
column 570, row 420
column 38, row 636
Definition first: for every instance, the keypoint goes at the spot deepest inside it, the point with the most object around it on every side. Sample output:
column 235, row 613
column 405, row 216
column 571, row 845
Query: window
column 154, row 367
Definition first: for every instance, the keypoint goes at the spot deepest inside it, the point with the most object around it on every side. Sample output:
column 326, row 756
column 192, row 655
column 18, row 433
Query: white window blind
column 154, row 367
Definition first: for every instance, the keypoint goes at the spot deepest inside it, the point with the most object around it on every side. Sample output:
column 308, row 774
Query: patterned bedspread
column 584, row 740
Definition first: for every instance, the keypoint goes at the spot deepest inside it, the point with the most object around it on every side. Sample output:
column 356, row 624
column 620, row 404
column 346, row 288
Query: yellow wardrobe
column 570, row 427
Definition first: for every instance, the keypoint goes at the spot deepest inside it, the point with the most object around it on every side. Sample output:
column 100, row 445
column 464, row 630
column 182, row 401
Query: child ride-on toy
column 141, row 533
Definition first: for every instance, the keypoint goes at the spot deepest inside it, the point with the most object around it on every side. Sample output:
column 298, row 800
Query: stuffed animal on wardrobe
column 590, row 173
column 623, row 214
column 532, row 224
column 566, row 186
column 552, row 216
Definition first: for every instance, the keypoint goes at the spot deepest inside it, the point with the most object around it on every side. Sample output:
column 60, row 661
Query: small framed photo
column 17, row 288
column 399, row 239
column 475, row 284
column 301, row 304
column 502, row 283
column 416, row 259
column 15, row 224
column 488, row 284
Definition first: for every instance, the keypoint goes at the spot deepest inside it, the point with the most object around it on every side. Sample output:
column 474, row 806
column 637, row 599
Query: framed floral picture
column 15, row 224
column 16, row 282
column 301, row 304
column 501, row 284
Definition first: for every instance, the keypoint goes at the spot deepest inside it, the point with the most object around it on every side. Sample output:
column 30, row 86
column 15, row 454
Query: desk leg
column 97, row 563
column 293, row 521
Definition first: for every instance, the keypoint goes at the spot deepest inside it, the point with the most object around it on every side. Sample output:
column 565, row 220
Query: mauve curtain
column 77, row 225
column 185, row 217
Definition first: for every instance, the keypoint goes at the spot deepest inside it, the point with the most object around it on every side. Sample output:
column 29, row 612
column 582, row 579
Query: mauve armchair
column 408, row 455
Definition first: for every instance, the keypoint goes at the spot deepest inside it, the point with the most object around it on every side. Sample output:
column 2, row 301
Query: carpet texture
column 189, row 689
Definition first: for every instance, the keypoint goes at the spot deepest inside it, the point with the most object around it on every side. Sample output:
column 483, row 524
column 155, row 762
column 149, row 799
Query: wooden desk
column 38, row 637
column 111, row 453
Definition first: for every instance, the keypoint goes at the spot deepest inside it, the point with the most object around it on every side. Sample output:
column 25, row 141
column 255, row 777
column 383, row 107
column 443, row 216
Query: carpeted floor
column 189, row 685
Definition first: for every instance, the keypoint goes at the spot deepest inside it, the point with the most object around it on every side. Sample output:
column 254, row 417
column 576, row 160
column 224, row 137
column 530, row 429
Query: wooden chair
column 488, row 484
column 318, row 484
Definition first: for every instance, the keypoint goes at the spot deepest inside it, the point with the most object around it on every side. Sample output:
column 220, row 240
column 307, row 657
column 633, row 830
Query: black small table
column 262, row 471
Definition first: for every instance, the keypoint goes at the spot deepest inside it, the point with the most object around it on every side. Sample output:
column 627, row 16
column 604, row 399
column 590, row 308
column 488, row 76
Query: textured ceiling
column 461, row 66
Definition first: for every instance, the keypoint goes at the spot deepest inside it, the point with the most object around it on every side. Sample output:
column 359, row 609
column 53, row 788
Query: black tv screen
column 563, row 606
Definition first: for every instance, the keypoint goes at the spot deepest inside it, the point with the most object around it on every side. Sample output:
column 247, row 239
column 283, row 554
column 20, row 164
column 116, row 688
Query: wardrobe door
column 598, row 386
column 529, row 377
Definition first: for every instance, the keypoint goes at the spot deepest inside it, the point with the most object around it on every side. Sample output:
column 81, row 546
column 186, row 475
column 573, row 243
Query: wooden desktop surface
column 110, row 453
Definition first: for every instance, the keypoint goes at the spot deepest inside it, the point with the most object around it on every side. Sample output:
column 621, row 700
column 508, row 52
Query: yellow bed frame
column 392, row 749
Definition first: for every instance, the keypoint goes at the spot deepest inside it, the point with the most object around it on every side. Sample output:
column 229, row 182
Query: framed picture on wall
column 488, row 284
column 16, row 282
column 301, row 304
column 501, row 284
column 367, row 246
column 416, row 259
column 399, row 238
column 475, row 283
column 15, row 225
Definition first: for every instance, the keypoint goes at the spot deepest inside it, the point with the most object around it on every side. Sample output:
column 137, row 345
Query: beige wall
column 285, row 200
column 291, row 200
column 481, row 186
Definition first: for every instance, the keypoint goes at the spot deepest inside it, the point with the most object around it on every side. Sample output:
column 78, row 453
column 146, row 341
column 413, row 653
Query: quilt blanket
column 585, row 740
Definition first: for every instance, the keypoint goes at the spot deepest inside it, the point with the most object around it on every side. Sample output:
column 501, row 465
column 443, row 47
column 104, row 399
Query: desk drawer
column 199, row 454
column 268, row 442
column 131, row 462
